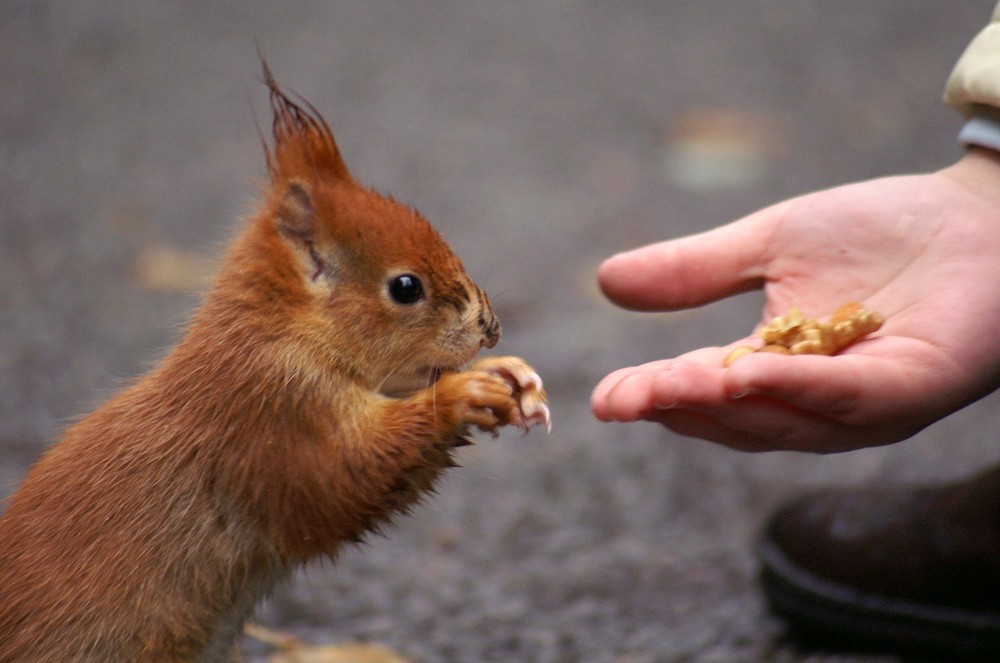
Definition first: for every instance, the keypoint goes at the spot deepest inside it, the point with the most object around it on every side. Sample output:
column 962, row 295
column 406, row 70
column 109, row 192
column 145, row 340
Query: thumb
column 692, row 270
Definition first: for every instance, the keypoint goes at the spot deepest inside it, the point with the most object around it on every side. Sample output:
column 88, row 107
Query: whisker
column 400, row 364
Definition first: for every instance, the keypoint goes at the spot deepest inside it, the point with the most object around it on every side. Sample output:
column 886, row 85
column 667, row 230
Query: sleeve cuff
column 982, row 129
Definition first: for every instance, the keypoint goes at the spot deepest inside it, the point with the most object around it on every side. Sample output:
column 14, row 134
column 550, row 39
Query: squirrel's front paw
column 532, row 401
column 475, row 398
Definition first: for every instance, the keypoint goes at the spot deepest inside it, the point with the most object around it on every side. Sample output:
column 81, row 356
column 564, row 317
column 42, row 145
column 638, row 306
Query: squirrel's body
column 316, row 392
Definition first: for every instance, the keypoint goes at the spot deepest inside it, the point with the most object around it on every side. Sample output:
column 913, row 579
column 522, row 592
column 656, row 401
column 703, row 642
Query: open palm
column 922, row 250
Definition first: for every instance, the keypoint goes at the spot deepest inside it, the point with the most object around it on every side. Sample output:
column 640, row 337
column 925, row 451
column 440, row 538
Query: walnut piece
column 798, row 335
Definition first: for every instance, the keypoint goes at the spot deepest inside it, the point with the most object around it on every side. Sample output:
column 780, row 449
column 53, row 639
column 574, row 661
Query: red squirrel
column 320, row 389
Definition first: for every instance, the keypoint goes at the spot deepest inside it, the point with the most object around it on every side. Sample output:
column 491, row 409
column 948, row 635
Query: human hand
column 922, row 250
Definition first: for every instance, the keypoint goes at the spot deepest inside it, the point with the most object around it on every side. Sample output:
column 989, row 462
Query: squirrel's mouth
column 427, row 375
column 422, row 378
column 434, row 373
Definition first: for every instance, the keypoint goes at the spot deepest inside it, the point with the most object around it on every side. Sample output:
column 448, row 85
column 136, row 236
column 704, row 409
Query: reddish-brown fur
column 299, row 411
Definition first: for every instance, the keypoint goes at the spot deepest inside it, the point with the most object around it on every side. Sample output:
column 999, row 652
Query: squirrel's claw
column 532, row 401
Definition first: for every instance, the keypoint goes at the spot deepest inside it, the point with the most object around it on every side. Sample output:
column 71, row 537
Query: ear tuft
column 294, row 217
column 303, row 142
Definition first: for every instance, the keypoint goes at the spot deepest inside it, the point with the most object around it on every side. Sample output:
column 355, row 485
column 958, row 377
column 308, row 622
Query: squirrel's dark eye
column 406, row 289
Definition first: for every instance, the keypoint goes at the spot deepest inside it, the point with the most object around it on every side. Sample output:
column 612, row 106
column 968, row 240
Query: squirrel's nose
column 488, row 322
column 491, row 332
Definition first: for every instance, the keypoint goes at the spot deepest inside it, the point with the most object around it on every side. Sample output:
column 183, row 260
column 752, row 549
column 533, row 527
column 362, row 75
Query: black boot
column 913, row 571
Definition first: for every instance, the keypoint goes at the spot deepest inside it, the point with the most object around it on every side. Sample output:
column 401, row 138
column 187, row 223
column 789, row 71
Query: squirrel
column 320, row 389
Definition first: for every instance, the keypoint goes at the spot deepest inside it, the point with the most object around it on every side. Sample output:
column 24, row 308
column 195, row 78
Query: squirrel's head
column 371, row 282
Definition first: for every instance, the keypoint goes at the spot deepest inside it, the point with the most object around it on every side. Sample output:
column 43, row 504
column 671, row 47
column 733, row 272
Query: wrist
column 979, row 170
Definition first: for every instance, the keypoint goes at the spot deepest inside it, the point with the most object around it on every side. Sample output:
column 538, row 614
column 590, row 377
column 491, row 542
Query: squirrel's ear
column 295, row 218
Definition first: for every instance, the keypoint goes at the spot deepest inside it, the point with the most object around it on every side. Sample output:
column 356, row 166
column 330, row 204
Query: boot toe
column 900, row 570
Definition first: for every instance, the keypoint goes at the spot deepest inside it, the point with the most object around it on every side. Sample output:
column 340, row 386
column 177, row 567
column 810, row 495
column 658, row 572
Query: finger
column 599, row 397
column 692, row 270
column 757, row 424
column 622, row 395
column 854, row 388
column 830, row 386
column 629, row 394
column 694, row 378
column 762, row 402
column 702, row 426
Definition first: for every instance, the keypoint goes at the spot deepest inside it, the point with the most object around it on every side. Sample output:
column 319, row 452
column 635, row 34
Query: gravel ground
column 539, row 137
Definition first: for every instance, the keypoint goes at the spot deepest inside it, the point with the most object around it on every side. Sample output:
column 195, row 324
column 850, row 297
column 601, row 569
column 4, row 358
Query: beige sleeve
column 975, row 80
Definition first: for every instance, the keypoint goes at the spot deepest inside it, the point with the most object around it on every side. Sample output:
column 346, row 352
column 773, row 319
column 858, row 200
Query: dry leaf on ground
column 293, row 650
